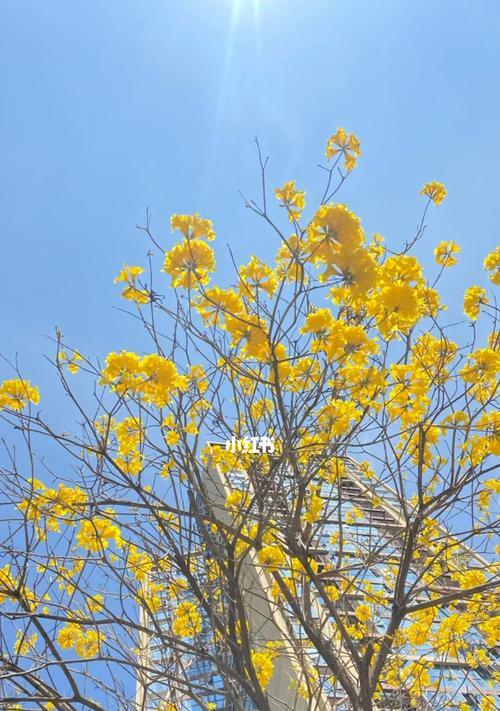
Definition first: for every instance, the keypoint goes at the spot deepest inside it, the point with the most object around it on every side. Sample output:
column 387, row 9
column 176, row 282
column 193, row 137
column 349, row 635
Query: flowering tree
column 124, row 564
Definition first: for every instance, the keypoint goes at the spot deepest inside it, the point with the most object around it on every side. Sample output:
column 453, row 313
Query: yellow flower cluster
column 190, row 264
column 193, row 226
column 8, row 584
column 150, row 595
column 152, row 377
column 290, row 259
column 236, row 500
column 481, row 370
column 335, row 419
column 16, row 394
column 450, row 637
column 345, row 144
column 96, row 534
column 47, row 508
column 335, row 238
column 492, row 264
column 313, row 507
column 486, row 439
column 187, row 620
column 130, row 437
column 433, row 356
column 25, row 644
column 85, row 643
column 294, row 200
column 491, row 631
column 473, row 298
column 191, row 261
column 435, row 191
column 271, row 557
column 255, row 276
column 445, row 253
column 363, row 612
column 263, row 664
column 215, row 303
column 339, row 340
column 132, row 292
column 419, row 631
column 402, row 296
column 408, row 399
column 250, row 331
column 71, row 361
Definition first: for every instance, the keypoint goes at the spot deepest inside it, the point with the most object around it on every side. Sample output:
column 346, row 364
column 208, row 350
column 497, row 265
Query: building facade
column 362, row 533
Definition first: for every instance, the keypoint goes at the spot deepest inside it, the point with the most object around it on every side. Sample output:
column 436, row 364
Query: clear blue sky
column 110, row 106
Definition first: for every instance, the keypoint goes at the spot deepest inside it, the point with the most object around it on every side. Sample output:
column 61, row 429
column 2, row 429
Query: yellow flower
column 176, row 587
column 249, row 329
column 346, row 144
column 160, row 379
column 488, row 703
column 271, row 557
column 492, row 264
column 320, row 321
column 473, row 298
column 294, row 200
column 129, row 434
column 8, row 584
column 53, row 506
column 445, row 254
column 191, row 428
column 363, row 613
column 493, row 485
column 290, row 259
column 353, row 515
column 87, row 644
column 95, row 603
column 190, row 263
column 257, row 275
column 131, row 292
column 264, row 666
column 122, row 371
column 172, row 438
column 333, row 230
column 15, row 394
column 215, row 303
column 187, row 620
column 236, row 499
column 418, row 632
column 95, row 535
column 166, row 469
column 336, row 417
column 355, row 271
column 154, row 377
column 435, row 191
column 491, row 631
column 401, row 298
column 469, row 578
column 313, row 508
column 408, row 398
column 376, row 247
column 484, row 364
column 193, row 226
column 449, row 638
column 70, row 360
column 68, row 636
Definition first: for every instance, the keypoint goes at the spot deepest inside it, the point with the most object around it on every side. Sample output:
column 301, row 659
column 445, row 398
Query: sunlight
column 236, row 20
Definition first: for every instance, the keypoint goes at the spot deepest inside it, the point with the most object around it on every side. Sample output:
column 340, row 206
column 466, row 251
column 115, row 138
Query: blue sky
column 110, row 106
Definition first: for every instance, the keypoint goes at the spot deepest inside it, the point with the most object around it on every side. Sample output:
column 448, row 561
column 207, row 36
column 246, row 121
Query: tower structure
column 359, row 539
